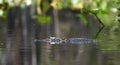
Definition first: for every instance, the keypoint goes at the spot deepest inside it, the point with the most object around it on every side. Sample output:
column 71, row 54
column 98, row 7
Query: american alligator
column 58, row 40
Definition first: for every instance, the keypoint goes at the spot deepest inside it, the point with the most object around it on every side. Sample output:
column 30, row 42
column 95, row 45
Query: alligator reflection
column 58, row 40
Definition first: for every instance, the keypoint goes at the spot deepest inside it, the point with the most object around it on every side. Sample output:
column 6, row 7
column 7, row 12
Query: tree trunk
column 26, row 48
column 10, row 45
column 56, row 23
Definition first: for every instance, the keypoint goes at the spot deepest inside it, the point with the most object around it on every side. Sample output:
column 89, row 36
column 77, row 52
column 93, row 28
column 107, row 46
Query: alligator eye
column 52, row 40
column 58, row 40
column 63, row 39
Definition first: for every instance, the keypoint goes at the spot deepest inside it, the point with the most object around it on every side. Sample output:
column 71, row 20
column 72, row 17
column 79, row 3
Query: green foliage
column 109, row 46
column 61, row 4
column 107, row 10
column 42, row 6
column 4, row 6
column 109, row 40
column 43, row 19
column 3, row 15
column 45, row 7
column 83, row 19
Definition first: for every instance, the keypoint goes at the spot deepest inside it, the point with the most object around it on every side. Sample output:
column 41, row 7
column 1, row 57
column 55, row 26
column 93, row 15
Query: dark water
column 104, row 52
column 79, row 54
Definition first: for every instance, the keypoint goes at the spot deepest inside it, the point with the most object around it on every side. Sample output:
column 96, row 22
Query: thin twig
column 102, row 26
column 99, row 32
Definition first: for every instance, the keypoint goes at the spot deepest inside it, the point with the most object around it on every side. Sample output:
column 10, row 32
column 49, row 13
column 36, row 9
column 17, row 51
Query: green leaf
column 83, row 19
column 43, row 19
column 45, row 7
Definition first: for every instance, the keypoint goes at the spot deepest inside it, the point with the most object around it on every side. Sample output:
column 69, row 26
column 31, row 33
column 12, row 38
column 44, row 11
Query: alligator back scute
column 80, row 40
